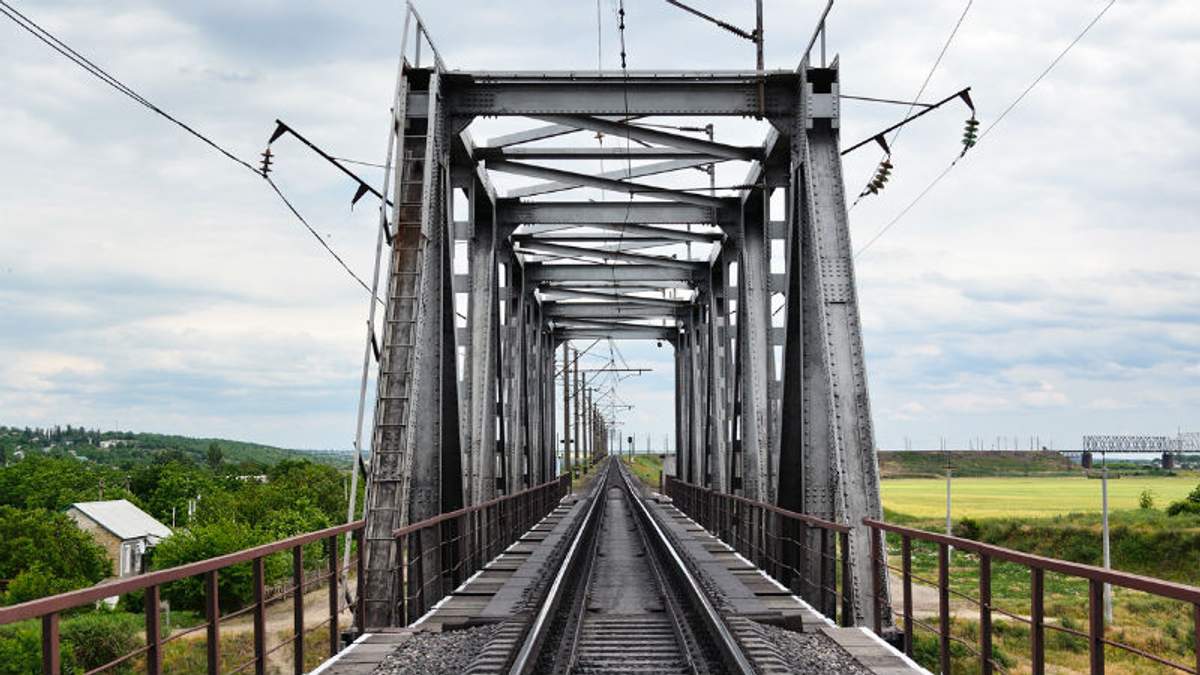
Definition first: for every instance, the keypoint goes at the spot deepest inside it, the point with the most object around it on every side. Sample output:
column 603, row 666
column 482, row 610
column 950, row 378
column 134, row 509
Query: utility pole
column 948, row 472
column 566, row 375
column 1108, row 615
column 578, row 415
column 589, row 428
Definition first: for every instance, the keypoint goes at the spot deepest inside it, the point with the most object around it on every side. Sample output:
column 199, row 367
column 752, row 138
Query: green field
column 1027, row 497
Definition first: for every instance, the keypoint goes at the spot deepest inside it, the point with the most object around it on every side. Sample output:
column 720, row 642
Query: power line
column 318, row 237
column 928, row 76
column 104, row 76
column 991, row 126
column 48, row 38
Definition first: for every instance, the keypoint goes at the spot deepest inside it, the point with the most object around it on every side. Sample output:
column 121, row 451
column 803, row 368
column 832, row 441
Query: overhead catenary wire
column 928, row 76
column 89, row 66
column 937, row 179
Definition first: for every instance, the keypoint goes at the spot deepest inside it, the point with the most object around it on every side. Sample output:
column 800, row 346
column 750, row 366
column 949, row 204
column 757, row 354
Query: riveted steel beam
column 652, row 169
column 611, row 212
column 607, row 310
column 559, row 293
column 612, row 273
column 614, row 93
column 633, row 131
column 571, row 179
column 537, row 247
column 595, row 152
column 616, row 332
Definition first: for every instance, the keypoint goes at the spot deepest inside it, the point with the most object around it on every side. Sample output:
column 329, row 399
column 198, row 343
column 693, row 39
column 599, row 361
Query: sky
column 1047, row 287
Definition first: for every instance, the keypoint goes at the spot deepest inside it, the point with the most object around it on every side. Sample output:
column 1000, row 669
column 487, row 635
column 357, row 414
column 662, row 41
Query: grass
column 646, row 467
column 1057, row 517
column 997, row 497
column 898, row 463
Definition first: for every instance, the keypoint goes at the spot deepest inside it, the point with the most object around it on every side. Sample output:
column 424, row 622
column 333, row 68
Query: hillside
column 130, row 448
column 912, row 464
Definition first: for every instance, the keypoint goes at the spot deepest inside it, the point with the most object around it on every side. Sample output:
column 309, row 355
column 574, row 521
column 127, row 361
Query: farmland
column 1041, row 496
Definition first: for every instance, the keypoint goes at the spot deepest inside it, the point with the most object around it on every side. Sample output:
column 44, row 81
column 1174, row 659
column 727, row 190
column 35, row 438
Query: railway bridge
column 752, row 285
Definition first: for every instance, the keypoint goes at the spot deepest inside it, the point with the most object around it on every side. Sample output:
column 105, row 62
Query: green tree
column 54, row 483
column 46, row 553
column 200, row 542
column 214, row 456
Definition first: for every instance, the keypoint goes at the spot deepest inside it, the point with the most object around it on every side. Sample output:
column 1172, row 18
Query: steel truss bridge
column 771, row 391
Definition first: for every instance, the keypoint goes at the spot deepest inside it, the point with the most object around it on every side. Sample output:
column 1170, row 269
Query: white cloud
column 1048, row 276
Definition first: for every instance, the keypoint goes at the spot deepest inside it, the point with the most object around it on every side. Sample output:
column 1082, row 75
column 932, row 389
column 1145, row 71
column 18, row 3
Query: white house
column 122, row 529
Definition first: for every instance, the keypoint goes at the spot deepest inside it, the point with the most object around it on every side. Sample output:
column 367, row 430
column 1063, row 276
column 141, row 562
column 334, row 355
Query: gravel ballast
column 813, row 653
column 427, row 653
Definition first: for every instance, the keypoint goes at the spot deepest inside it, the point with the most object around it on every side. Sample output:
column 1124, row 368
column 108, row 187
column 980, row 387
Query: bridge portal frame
column 771, row 390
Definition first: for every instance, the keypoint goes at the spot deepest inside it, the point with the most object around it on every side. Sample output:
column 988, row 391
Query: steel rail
column 527, row 658
column 735, row 659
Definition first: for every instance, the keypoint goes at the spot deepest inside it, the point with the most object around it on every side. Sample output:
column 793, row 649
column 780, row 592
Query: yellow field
column 1049, row 496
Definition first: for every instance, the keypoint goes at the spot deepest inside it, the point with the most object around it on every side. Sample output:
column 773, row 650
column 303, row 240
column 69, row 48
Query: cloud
column 146, row 279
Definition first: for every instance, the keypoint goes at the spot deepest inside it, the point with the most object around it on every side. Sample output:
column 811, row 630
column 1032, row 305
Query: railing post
column 298, row 610
column 1037, row 620
column 985, row 614
column 1196, row 634
column 847, row 590
column 51, row 659
column 823, row 578
column 212, row 607
column 333, row 595
column 944, row 606
column 906, row 558
column 878, row 562
column 360, row 581
column 260, row 618
column 153, row 632
column 1096, row 626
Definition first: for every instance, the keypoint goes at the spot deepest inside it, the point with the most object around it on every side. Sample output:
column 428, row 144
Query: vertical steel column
column 566, row 408
column 754, row 325
column 835, row 466
column 482, row 357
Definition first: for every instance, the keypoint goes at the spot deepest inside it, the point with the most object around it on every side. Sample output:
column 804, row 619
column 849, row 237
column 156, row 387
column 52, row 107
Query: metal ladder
column 387, row 488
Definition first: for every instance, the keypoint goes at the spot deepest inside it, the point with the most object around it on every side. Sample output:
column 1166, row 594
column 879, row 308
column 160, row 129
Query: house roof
column 123, row 519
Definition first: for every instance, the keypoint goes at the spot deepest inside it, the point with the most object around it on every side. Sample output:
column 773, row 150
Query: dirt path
column 279, row 621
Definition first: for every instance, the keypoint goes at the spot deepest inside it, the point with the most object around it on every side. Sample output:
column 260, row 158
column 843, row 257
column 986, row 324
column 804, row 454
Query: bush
column 45, row 553
column 98, row 638
column 966, row 528
column 1146, row 499
column 235, row 584
column 1187, row 505
column 21, row 648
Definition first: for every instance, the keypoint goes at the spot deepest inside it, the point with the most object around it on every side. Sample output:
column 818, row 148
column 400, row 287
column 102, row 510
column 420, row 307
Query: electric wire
column 50, row 40
column 1015, row 102
column 929, row 76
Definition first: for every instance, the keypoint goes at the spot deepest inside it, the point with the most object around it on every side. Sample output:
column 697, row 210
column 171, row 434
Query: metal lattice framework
column 1129, row 443
column 771, row 391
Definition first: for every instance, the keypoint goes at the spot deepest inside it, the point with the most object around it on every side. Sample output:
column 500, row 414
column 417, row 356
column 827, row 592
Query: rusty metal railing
column 1038, row 566
column 439, row 554
column 50, row 608
column 463, row 542
column 809, row 555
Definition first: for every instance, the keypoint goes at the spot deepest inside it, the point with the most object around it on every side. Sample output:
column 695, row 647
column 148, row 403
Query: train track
column 624, row 601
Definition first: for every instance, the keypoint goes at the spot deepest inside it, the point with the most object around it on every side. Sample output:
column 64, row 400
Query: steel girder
column 615, row 93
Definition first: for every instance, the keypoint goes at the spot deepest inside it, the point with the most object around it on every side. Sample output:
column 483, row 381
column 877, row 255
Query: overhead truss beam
column 572, row 179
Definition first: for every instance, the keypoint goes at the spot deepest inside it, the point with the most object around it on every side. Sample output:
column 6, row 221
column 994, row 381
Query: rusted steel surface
column 1038, row 565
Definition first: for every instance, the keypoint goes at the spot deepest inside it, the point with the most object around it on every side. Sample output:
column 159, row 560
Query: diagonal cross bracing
column 633, row 131
column 607, row 213
column 653, row 169
column 534, row 246
column 572, row 179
